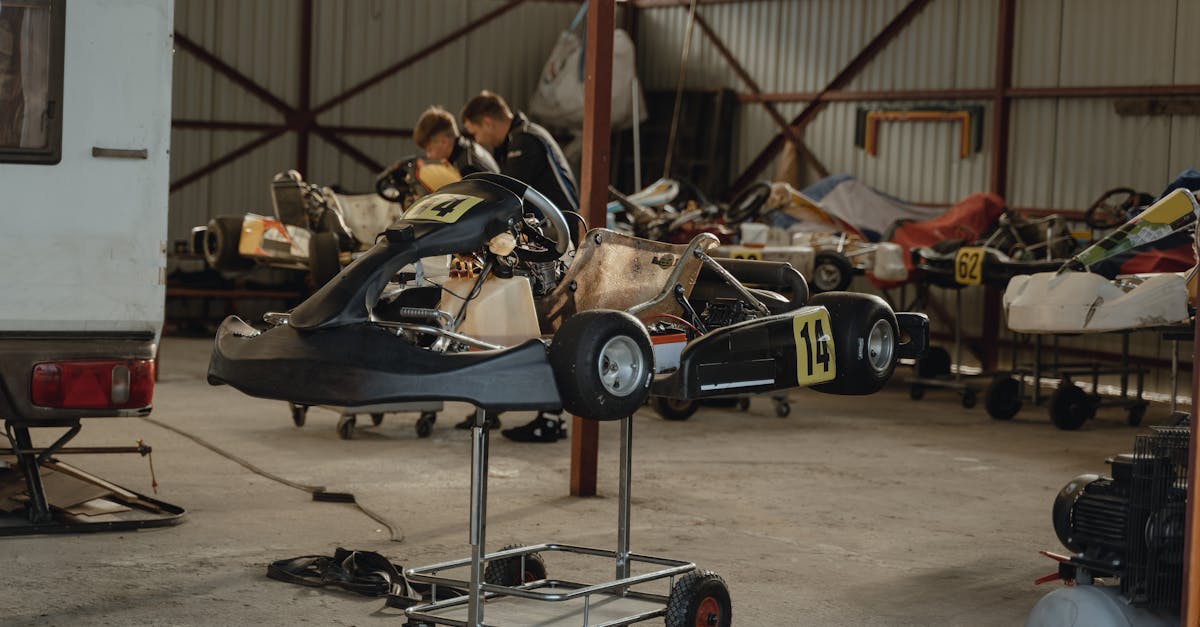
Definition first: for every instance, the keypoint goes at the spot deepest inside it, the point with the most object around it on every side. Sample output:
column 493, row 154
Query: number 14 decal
column 814, row 347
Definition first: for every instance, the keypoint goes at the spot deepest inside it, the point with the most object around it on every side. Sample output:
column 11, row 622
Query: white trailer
column 85, row 112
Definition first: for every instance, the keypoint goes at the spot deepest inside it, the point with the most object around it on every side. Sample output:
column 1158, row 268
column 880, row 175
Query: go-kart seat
column 287, row 197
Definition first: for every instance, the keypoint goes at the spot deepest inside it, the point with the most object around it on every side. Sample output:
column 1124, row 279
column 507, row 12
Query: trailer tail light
column 98, row 384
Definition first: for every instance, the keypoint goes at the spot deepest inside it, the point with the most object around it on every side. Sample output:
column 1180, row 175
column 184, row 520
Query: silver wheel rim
column 827, row 276
column 621, row 366
column 880, row 343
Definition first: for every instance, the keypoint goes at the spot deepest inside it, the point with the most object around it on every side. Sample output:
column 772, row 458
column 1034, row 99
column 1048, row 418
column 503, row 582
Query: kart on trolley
column 529, row 320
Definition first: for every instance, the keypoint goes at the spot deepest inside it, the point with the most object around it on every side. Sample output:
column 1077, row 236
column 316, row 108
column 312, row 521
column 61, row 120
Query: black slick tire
column 603, row 363
column 221, row 244
column 1003, row 398
column 865, row 335
column 1070, row 407
column 323, row 258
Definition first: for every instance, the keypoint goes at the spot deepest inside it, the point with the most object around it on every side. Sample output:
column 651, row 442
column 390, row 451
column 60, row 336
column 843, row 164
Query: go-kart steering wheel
column 1103, row 214
column 746, row 205
column 391, row 183
column 551, row 237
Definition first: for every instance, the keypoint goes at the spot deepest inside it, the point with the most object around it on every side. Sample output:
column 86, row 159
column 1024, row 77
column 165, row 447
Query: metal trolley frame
column 611, row 602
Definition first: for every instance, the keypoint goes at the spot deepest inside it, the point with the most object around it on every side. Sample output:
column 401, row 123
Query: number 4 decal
column 814, row 347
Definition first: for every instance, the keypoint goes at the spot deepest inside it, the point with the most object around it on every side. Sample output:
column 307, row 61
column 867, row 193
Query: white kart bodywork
column 1081, row 302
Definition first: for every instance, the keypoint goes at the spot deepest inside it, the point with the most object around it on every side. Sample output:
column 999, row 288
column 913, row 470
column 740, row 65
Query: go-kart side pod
column 841, row 344
column 362, row 364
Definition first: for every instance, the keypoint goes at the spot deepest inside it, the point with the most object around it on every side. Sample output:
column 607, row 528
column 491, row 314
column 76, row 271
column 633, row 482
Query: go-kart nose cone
column 880, row 344
column 621, row 366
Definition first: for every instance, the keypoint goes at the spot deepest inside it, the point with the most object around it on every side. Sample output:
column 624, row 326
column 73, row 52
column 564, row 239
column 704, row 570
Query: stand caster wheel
column 345, row 426
column 425, row 424
column 508, row 571
column 1135, row 415
column 1070, row 407
column 782, row 409
column 376, row 419
column 916, row 391
column 674, row 408
column 744, row 404
column 968, row 398
column 699, row 598
column 299, row 413
column 1003, row 398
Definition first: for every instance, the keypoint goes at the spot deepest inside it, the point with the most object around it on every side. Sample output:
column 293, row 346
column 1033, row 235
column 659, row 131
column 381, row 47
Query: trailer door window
column 31, row 60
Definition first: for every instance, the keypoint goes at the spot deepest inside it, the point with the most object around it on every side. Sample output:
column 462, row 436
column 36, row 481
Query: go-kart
column 1016, row 247
column 368, row 337
column 676, row 211
column 1075, row 300
column 315, row 228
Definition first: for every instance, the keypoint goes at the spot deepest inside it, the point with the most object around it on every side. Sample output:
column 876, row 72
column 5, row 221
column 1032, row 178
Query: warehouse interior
column 717, row 312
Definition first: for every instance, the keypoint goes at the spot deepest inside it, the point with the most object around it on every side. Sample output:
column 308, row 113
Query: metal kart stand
column 546, row 601
column 1070, row 406
column 348, row 416
column 936, row 370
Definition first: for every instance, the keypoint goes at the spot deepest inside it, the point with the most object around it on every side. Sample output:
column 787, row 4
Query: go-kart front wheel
column 865, row 337
column 603, row 363
column 221, row 242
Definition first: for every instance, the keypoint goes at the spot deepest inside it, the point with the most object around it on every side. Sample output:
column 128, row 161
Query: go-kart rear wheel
column 699, row 599
column 221, row 244
column 323, row 258
column 832, row 272
column 865, row 335
column 299, row 413
column 1070, row 407
column 509, row 572
column 425, row 424
column 674, row 408
column 1003, row 397
column 602, row 362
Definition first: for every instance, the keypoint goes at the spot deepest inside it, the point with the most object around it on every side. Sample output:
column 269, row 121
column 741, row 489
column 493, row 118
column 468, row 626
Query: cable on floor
column 319, row 493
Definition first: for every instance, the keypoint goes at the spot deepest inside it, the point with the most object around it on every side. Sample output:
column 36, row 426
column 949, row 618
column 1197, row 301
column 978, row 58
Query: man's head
column 435, row 133
column 487, row 118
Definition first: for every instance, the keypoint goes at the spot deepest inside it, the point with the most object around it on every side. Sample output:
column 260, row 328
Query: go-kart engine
column 723, row 312
column 543, row 276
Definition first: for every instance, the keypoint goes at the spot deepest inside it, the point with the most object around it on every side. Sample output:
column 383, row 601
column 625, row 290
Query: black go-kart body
column 363, row 339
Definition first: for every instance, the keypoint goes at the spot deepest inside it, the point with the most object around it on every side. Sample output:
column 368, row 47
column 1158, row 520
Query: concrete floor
column 852, row 511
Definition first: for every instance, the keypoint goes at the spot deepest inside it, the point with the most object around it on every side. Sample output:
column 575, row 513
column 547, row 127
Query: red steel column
column 597, row 123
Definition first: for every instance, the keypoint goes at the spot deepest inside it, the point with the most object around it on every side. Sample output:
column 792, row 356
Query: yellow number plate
column 815, row 362
column 739, row 252
column 968, row 265
column 446, row 208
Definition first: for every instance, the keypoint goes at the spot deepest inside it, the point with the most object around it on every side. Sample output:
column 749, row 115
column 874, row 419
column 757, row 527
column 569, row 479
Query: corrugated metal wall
column 1063, row 152
column 352, row 40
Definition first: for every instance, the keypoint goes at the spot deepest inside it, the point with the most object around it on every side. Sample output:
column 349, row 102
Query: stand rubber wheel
column 783, row 409
column 508, row 572
column 299, row 413
column 602, row 362
column 376, row 419
column 345, row 426
column 744, row 404
column 699, row 599
column 935, row 363
column 1135, row 414
column 674, row 408
column 1003, row 398
column 425, row 424
column 916, row 391
column 221, row 244
column 968, row 398
column 865, row 336
column 1070, row 407
column 832, row 272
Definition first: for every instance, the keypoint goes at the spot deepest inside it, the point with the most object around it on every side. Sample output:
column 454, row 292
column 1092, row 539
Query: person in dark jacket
column 528, row 153
column 437, row 134
column 524, row 150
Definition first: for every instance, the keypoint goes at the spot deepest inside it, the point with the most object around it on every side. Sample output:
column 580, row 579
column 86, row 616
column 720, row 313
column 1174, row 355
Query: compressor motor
column 1131, row 525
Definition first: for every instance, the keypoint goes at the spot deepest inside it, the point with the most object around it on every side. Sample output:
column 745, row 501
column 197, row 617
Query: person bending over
column 437, row 134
